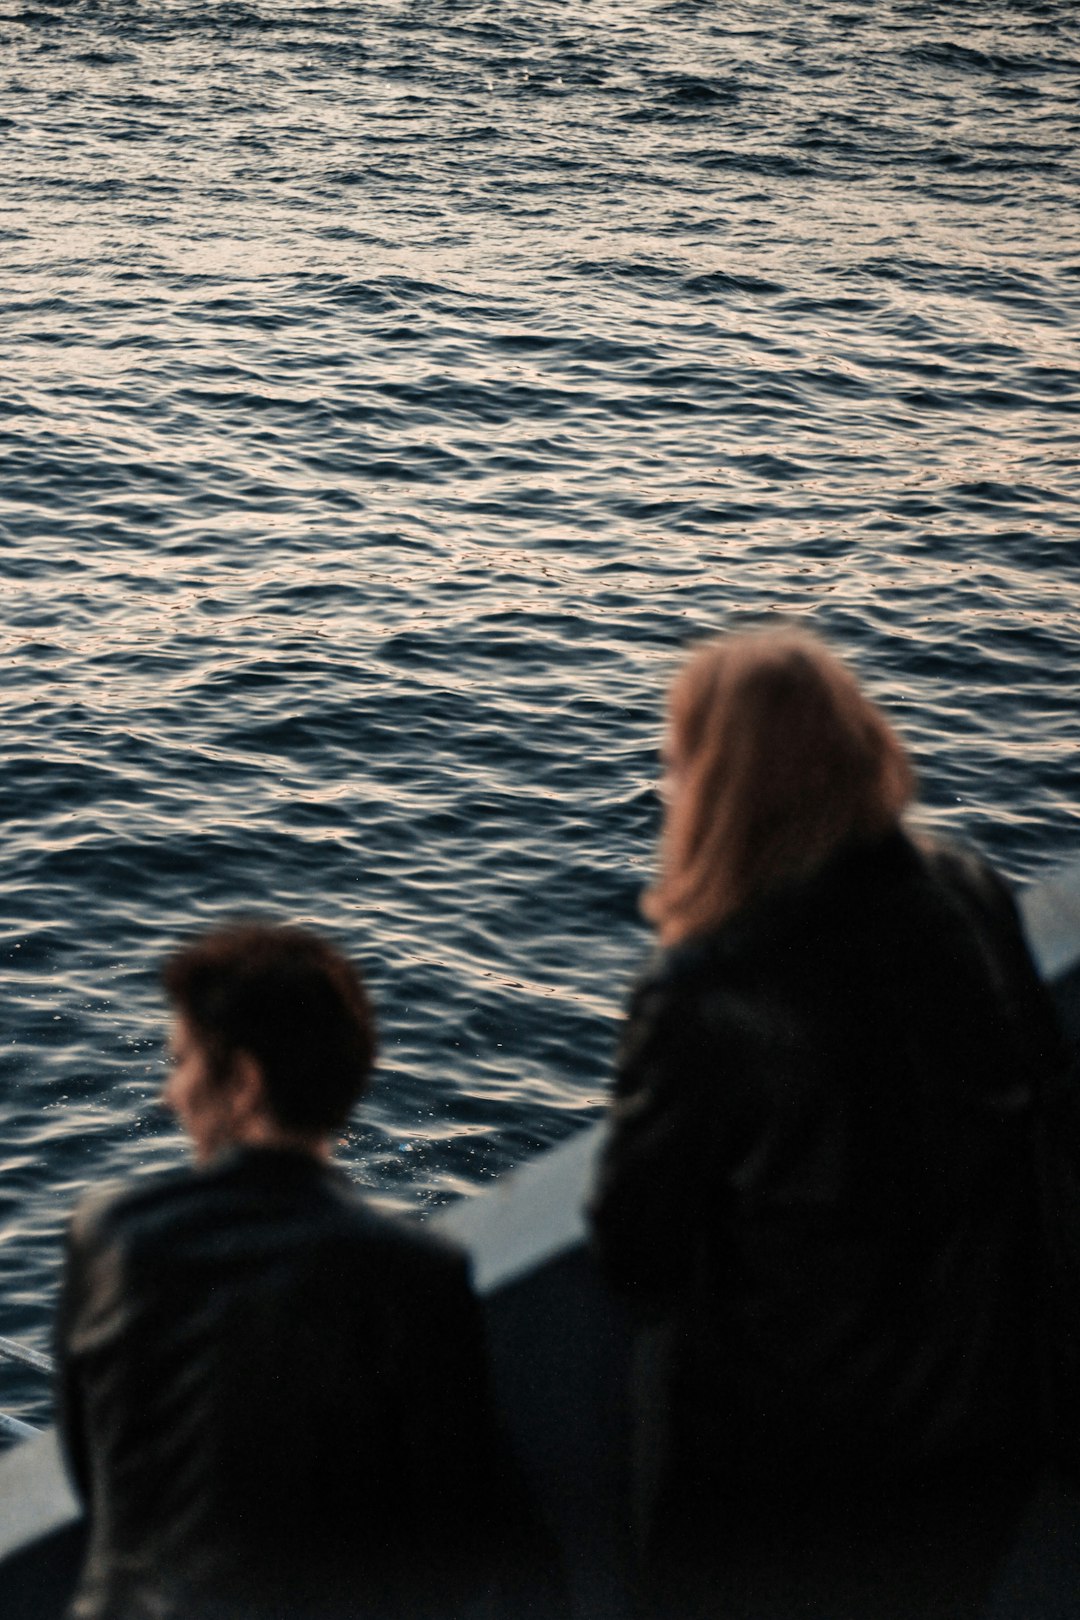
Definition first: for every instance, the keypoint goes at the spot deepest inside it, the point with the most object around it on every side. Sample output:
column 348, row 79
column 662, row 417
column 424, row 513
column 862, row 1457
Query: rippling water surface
column 389, row 390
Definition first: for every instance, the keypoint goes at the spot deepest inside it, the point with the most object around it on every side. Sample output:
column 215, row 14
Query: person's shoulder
column 164, row 1199
column 721, row 958
column 667, row 987
column 963, row 871
column 400, row 1242
column 117, row 1207
column 673, row 970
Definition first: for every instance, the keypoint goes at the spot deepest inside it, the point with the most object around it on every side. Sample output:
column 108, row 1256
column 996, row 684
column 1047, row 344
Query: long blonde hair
column 781, row 760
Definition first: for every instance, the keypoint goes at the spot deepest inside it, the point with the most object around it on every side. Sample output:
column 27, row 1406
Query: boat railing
column 11, row 1427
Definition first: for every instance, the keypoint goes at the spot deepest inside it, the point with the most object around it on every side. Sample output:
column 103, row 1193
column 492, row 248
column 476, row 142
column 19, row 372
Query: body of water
column 388, row 391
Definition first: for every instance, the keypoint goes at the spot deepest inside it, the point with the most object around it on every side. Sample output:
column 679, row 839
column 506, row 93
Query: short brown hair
column 292, row 1001
column 784, row 760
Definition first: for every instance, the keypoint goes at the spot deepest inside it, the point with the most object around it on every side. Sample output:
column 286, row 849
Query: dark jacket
column 818, row 1183
column 275, row 1403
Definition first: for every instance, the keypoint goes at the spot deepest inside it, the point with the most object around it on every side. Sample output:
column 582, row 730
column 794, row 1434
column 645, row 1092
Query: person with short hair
column 817, row 1193
column 274, row 1401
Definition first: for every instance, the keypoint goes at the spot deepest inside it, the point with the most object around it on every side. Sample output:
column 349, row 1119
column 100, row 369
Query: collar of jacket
column 272, row 1164
column 853, row 864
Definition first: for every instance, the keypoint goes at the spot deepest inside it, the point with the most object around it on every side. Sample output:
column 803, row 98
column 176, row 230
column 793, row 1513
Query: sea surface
column 389, row 392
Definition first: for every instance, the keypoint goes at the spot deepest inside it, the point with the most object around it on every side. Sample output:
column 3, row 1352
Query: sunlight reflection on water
column 392, row 391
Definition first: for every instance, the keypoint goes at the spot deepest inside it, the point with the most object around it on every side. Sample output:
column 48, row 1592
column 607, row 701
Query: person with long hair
column 816, row 1195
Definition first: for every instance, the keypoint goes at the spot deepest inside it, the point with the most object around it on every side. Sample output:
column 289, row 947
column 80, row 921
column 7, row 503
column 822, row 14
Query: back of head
column 780, row 761
column 291, row 1001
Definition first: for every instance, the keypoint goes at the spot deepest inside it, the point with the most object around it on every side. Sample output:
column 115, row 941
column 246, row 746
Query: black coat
column 275, row 1403
column 818, row 1187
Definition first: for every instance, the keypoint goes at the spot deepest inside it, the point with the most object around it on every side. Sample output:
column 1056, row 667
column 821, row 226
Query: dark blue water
column 389, row 391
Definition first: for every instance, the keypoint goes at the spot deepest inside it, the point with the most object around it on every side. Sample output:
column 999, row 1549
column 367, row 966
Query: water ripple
column 390, row 391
